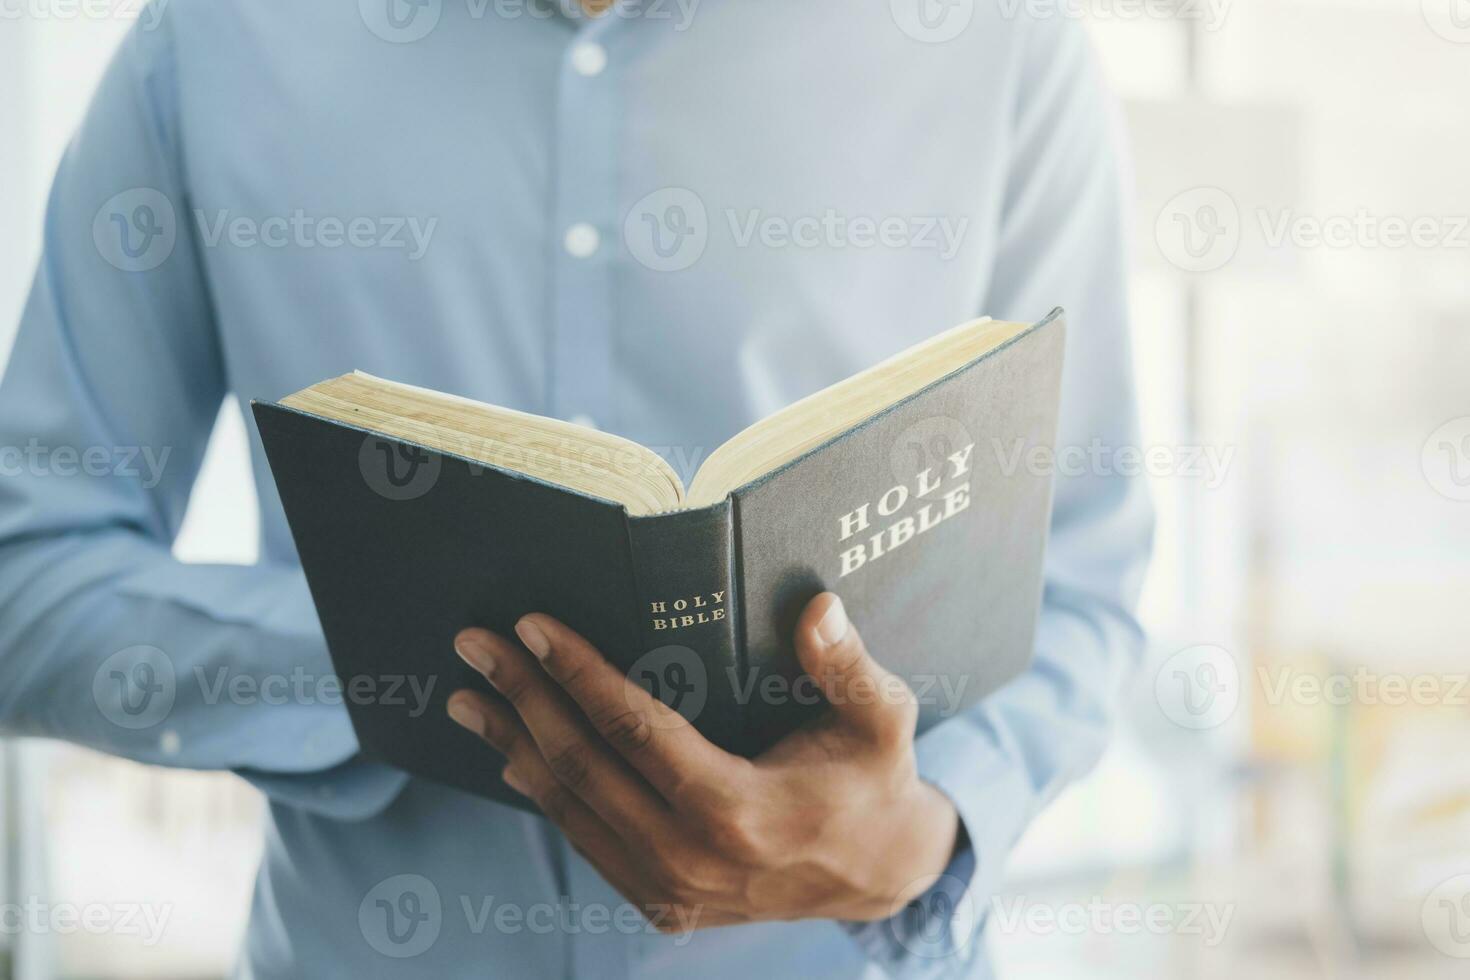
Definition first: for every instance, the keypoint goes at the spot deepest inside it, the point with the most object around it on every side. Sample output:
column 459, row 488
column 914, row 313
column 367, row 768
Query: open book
column 418, row 513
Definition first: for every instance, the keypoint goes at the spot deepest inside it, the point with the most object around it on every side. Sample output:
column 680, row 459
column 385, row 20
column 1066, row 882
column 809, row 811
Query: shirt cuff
column 937, row 935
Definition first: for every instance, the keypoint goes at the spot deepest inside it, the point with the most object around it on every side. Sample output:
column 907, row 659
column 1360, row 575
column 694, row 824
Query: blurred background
column 1289, row 792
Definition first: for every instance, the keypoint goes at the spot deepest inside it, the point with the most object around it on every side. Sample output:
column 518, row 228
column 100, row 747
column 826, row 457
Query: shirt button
column 581, row 240
column 586, row 421
column 589, row 59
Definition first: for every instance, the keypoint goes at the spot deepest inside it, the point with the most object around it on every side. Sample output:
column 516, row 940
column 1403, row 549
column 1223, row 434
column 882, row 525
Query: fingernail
column 476, row 653
column 465, row 714
column 833, row 625
column 513, row 780
column 533, row 638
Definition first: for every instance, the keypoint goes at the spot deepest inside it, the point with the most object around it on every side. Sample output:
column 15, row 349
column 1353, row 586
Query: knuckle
column 845, row 659
column 703, row 877
column 897, row 731
column 671, row 872
column 502, row 737
column 571, row 765
column 626, row 730
column 737, row 835
column 569, row 671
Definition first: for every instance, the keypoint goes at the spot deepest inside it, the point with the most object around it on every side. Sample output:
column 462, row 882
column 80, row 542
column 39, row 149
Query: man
column 667, row 222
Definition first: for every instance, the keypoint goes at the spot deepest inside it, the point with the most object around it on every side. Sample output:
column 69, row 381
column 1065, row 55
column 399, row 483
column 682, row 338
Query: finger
column 581, row 761
column 655, row 739
column 527, row 773
column 863, row 694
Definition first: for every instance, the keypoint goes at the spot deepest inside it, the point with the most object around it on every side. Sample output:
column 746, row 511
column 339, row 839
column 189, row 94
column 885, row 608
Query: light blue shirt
column 668, row 222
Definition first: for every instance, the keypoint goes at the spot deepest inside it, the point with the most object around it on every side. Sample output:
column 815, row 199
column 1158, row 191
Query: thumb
column 860, row 690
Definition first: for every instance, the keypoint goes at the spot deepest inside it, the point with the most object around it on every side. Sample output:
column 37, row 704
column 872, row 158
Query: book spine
column 683, row 571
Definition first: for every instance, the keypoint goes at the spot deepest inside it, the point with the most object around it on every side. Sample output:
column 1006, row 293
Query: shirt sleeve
column 1062, row 243
column 106, row 406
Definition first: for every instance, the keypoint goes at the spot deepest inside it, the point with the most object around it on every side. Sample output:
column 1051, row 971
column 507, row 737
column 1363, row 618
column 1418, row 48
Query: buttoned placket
column 584, row 210
column 584, row 225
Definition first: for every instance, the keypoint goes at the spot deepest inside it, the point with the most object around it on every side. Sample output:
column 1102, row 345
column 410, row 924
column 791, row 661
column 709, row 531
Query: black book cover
column 925, row 518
